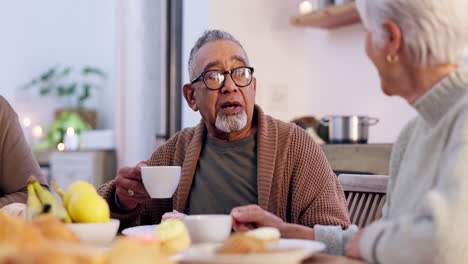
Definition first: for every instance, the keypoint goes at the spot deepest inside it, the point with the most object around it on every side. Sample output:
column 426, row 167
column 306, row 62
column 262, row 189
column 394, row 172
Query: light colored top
column 425, row 215
column 226, row 177
column 17, row 162
column 294, row 179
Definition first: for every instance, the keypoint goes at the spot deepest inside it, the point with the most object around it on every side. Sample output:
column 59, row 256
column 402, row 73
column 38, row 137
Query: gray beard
column 229, row 123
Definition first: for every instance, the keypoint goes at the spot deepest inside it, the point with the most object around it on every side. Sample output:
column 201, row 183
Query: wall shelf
column 330, row 17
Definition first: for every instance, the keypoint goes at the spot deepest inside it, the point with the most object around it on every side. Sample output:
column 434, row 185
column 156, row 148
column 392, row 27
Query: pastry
column 267, row 234
column 174, row 236
column 240, row 243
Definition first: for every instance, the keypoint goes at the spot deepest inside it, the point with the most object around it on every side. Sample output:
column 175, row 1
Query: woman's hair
column 433, row 31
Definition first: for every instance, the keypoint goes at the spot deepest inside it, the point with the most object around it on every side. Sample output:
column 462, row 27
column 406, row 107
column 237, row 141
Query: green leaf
column 48, row 75
column 66, row 71
column 92, row 70
column 85, row 96
column 44, row 91
column 61, row 91
column 71, row 89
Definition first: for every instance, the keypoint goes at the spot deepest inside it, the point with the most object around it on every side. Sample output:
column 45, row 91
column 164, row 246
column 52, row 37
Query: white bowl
column 161, row 181
column 100, row 234
column 208, row 228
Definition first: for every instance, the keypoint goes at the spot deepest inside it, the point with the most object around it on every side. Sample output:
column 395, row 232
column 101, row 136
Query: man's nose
column 229, row 85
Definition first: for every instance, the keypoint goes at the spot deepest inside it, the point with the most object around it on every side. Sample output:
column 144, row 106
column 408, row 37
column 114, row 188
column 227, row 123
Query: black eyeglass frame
column 202, row 77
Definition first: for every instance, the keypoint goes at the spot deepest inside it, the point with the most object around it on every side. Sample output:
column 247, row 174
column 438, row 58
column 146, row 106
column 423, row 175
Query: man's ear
column 189, row 95
column 254, row 85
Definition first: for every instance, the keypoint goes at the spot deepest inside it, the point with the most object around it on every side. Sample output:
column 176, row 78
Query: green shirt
column 226, row 177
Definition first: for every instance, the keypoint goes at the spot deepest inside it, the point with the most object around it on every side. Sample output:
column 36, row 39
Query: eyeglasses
column 214, row 79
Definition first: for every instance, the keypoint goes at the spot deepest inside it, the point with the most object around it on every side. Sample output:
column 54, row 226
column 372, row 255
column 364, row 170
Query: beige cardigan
column 17, row 162
column 295, row 181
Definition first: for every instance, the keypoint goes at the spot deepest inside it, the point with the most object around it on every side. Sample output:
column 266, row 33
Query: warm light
column 305, row 7
column 61, row 147
column 70, row 131
column 38, row 132
column 26, row 121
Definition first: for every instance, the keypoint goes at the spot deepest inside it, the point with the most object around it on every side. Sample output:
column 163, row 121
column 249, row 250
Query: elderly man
column 236, row 156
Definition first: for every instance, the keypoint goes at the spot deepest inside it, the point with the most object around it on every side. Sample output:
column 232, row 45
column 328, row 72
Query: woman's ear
column 394, row 38
column 189, row 95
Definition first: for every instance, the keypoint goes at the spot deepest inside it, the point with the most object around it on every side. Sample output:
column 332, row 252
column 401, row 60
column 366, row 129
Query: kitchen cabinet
column 95, row 167
column 330, row 17
column 358, row 158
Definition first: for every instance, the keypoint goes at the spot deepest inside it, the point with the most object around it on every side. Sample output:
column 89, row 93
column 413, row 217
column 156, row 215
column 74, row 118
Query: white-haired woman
column 417, row 47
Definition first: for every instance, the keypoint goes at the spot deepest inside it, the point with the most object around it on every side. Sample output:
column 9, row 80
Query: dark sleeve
column 144, row 214
column 148, row 213
column 317, row 196
column 17, row 162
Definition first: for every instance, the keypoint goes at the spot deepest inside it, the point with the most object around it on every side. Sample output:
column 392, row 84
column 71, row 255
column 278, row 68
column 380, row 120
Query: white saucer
column 139, row 230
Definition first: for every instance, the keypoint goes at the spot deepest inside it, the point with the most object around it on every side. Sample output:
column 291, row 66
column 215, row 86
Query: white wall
column 305, row 71
column 36, row 35
column 195, row 21
column 140, row 94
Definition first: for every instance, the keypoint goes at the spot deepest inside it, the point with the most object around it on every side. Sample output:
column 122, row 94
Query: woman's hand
column 173, row 215
column 353, row 248
column 249, row 217
column 16, row 209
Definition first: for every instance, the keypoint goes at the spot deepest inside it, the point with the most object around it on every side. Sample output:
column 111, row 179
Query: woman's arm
column 17, row 162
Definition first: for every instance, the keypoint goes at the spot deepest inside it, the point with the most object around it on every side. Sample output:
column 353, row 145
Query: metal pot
column 348, row 129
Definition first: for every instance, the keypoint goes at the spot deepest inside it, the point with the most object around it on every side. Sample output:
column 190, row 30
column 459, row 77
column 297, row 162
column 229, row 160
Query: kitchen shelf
column 330, row 17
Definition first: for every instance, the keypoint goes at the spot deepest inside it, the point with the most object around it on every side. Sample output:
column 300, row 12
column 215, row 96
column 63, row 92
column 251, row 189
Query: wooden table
column 315, row 259
column 329, row 259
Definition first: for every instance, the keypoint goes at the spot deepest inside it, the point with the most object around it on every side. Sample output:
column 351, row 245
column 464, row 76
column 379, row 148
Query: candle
column 305, row 7
column 26, row 121
column 71, row 139
column 25, row 124
column 61, row 147
column 38, row 132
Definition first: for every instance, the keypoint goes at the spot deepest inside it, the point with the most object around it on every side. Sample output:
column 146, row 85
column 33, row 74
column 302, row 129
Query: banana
column 56, row 208
column 34, row 206
column 58, row 190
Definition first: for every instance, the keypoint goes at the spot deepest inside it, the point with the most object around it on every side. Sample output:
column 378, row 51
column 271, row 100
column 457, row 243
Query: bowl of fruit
column 82, row 209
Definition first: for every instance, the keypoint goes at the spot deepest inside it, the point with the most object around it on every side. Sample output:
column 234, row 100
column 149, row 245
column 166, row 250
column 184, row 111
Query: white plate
column 139, row 230
column 289, row 251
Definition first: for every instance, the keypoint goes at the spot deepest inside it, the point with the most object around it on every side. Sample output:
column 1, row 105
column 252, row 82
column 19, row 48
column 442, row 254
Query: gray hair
column 207, row 37
column 434, row 31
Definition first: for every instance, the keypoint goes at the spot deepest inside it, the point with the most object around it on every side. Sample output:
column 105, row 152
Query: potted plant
column 73, row 86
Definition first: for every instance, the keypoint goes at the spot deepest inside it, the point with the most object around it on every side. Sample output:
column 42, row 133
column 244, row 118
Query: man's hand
column 173, row 215
column 249, row 217
column 129, row 187
column 353, row 248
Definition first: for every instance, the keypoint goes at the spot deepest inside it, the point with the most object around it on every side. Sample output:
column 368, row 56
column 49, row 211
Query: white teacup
column 208, row 228
column 161, row 181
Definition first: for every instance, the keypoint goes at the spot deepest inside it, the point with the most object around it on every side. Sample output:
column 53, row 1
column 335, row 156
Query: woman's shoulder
column 457, row 119
column 5, row 109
